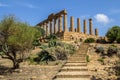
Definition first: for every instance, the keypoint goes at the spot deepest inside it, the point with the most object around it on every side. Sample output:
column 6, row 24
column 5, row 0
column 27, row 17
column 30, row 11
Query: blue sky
column 105, row 13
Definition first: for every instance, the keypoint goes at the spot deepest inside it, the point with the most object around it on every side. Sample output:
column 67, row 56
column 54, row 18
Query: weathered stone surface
column 72, row 23
column 90, row 27
column 85, row 26
column 78, row 25
column 96, row 32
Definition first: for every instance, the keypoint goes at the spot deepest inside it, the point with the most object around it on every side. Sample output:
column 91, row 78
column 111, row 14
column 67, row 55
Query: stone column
column 60, row 23
column 78, row 25
column 46, row 29
column 55, row 26
column 90, row 27
column 65, row 21
column 72, row 23
column 96, row 32
column 85, row 27
column 50, row 26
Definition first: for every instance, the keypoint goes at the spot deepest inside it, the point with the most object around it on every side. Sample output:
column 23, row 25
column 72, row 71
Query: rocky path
column 76, row 67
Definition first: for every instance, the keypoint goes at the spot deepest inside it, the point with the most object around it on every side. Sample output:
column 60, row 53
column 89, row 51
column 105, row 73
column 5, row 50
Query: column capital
column 65, row 12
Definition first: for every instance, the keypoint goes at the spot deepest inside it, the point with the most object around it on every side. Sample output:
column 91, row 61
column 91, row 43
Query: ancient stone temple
column 57, row 24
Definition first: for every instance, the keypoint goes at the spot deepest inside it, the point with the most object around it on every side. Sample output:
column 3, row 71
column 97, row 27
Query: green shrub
column 44, row 56
column 87, row 58
column 36, row 43
column 112, row 50
column 118, row 40
column 52, row 36
column 100, row 49
column 101, row 41
column 43, row 46
column 52, row 40
column 61, row 53
column 113, row 45
column 89, row 40
column 70, row 47
column 59, row 43
column 101, row 60
column 31, row 60
column 52, row 43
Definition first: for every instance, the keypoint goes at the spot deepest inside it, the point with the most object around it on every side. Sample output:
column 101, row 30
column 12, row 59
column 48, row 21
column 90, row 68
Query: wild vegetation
column 53, row 50
column 89, row 40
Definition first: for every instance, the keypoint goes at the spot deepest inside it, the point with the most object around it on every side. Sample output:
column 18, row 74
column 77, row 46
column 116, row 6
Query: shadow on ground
column 5, row 70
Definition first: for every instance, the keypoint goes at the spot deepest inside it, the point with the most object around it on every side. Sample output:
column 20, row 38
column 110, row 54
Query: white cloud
column 102, row 18
column 3, row 5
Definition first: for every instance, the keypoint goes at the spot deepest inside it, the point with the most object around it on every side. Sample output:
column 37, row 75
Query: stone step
column 72, row 79
column 76, row 61
column 75, row 64
column 77, row 58
column 74, row 68
column 73, row 74
column 82, row 54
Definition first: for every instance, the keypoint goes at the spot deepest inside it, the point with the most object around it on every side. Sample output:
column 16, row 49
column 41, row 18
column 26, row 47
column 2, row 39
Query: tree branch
column 4, row 56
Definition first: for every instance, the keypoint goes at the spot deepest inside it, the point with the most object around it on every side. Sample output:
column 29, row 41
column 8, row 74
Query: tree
column 16, row 37
column 113, row 33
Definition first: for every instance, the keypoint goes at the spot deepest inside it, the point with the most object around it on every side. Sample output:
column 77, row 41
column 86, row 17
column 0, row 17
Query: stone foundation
column 73, row 36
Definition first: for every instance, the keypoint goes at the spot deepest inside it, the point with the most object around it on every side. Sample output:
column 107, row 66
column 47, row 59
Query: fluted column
column 96, row 32
column 90, row 27
column 60, row 23
column 55, row 26
column 50, row 26
column 78, row 25
column 65, row 21
column 85, row 27
column 72, row 23
column 46, row 29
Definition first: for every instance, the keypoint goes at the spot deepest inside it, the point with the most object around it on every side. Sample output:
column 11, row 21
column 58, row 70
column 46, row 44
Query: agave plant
column 44, row 56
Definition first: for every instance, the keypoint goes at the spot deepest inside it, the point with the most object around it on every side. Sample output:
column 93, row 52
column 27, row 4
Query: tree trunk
column 15, row 64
